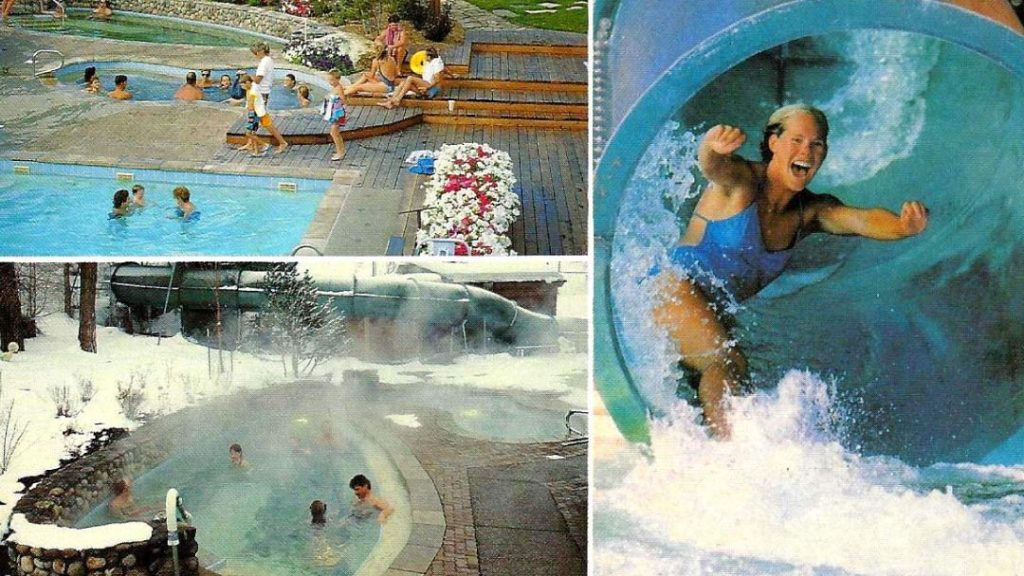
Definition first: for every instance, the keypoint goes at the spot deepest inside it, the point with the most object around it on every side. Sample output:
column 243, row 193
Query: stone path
column 475, row 18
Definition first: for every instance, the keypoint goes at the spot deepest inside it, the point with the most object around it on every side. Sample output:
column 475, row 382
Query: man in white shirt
column 428, row 86
column 262, row 82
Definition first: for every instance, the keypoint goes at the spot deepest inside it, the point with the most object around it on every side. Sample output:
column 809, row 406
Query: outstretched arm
column 717, row 159
column 385, row 509
column 835, row 217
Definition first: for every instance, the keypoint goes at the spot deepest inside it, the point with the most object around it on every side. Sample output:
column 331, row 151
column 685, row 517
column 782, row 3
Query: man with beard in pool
column 741, row 237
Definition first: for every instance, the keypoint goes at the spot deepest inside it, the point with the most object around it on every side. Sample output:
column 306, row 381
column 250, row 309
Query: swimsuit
column 387, row 81
column 433, row 91
column 333, row 110
column 732, row 257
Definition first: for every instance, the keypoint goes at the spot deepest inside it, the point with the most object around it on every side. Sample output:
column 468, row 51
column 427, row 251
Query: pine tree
column 296, row 324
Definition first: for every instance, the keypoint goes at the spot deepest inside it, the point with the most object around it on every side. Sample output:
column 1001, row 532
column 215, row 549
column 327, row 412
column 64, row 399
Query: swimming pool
column 240, row 215
column 884, row 386
column 150, row 82
column 144, row 28
column 256, row 520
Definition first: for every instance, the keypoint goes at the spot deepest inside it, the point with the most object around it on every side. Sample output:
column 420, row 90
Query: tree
column 10, row 307
column 68, row 308
column 87, row 307
column 295, row 324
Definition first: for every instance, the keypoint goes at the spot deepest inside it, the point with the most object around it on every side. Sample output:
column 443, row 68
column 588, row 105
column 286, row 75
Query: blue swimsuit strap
column 760, row 188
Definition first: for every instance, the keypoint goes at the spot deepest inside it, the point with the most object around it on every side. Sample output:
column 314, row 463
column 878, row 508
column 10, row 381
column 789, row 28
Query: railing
column 570, row 431
column 34, row 61
column 295, row 251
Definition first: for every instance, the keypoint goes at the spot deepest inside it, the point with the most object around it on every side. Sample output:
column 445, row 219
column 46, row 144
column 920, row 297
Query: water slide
column 923, row 337
column 433, row 305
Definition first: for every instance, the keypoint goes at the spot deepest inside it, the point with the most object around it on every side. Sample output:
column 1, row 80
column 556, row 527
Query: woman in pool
column 380, row 79
column 121, row 207
column 94, row 86
column 741, row 237
column 302, row 92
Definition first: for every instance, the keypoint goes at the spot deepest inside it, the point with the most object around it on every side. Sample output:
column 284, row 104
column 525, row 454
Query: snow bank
column 57, row 537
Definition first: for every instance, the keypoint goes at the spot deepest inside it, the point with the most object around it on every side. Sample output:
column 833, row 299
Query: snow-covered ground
column 175, row 373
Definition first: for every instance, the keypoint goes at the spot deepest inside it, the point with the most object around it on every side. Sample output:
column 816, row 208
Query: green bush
column 414, row 11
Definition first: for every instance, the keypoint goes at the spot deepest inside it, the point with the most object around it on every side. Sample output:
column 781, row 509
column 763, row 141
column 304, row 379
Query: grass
column 561, row 19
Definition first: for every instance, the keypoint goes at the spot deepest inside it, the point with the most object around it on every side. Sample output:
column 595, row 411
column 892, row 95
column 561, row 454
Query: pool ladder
column 34, row 61
column 295, row 251
column 574, row 436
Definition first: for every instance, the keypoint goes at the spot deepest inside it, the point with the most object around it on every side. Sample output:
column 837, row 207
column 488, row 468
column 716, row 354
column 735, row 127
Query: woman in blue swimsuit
column 741, row 237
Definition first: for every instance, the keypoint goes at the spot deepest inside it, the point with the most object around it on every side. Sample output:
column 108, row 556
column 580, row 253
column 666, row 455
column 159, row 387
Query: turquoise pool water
column 149, row 82
column 256, row 521
column 880, row 439
column 240, row 215
column 143, row 28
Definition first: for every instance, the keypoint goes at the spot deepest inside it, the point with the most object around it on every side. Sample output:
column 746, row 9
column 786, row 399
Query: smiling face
column 361, row 491
column 797, row 152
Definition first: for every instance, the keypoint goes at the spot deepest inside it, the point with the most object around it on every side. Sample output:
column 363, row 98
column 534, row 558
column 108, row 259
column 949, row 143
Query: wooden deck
column 302, row 127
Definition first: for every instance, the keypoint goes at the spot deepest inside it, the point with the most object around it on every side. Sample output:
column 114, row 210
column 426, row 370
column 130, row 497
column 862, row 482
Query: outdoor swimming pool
column 256, row 520
column 144, row 28
column 150, row 82
column 240, row 215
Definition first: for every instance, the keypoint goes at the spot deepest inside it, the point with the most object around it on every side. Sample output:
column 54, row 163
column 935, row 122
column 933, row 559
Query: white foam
column 785, row 492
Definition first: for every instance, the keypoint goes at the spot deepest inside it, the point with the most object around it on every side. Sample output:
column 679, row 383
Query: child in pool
column 237, row 458
column 302, row 92
column 123, row 504
column 186, row 209
column 324, row 554
column 121, row 207
column 138, row 197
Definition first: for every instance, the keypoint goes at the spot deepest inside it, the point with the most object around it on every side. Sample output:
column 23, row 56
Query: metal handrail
column 568, row 425
column 35, row 62
column 310, row 246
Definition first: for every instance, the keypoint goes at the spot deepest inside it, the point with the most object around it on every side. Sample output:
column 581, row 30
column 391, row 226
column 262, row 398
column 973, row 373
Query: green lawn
column 560, row 19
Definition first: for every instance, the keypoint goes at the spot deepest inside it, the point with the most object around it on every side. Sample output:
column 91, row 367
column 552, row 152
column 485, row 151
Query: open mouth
column 800, row 168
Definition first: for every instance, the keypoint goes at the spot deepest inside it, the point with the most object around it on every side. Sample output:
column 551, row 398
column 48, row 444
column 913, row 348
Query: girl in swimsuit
column 741, row 237
column 380, row 79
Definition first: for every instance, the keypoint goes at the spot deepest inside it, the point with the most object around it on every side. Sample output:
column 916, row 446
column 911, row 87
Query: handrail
column 568, row 425
column 35, row 62
column 310, row 246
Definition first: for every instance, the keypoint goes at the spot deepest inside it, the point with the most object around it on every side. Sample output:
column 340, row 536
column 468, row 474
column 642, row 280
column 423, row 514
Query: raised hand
column 724, row 139
column 913, row 218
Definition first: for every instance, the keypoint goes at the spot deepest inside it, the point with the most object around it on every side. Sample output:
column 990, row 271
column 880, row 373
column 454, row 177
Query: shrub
column 321, row 53
column 11, row 431
column 414, row 11
column 63, row 402
column 86, row 389
column 437, row 29
column 131, row 395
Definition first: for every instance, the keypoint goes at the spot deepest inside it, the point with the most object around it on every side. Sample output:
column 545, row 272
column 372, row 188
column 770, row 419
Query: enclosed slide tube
column 434, row 305
column 648, row 67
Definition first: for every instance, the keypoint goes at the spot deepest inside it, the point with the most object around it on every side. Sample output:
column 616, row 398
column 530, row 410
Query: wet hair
column 90, row 72
column 235, row 448
column 120, row 485
column 394, row 19
column 138, row 188
column 182, row 193
column 317, row 509
column 120, row 197
column 303, row 91
column 119, row 79
column 359, row 480
column 223, row 76
column 777, row 125
column 290, row 77
column 190, row 78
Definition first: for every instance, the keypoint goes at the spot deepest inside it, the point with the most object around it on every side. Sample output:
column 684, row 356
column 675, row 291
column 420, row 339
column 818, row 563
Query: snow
column 408, row 420
column 50, row 536
column 174, row 373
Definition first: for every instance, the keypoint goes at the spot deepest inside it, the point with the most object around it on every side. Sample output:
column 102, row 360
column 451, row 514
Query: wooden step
column 506, row 120
column 528, row 67
column 535, row 86
column 522, row 102
column 307, row 127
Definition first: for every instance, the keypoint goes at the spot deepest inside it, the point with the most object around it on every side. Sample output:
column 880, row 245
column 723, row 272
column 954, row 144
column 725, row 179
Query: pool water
column 256, row 520
column 141, row 28
column 239, row 215
column 159, row 83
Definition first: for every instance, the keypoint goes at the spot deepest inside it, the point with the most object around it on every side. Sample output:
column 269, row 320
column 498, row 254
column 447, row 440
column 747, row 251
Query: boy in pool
column 256, row 116
column 182, row 197
column 225, row 83
column 741, row 237
column 205, row 80
column 120, row 204
column 324, row 554
column 120, row 91
column 366, row 501
column 237, row 458
column 138, row 197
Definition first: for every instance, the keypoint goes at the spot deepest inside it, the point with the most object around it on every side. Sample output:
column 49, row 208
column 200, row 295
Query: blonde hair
column 777, row 125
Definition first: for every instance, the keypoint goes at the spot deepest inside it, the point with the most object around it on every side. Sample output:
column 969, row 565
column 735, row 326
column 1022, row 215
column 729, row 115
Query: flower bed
column 323, row 53
column 470, row 198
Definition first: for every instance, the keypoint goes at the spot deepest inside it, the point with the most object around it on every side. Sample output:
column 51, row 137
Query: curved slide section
column 435, row 305
column 922, row 336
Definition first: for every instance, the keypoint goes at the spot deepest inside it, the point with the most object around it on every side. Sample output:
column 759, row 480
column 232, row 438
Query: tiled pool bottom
column 61, row 210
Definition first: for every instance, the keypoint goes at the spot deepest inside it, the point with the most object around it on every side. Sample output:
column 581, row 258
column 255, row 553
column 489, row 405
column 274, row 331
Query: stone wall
column 69, row 493
column 249, row 18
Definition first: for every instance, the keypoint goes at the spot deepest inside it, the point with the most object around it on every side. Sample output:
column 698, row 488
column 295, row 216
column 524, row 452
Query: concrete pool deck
column 361, row 213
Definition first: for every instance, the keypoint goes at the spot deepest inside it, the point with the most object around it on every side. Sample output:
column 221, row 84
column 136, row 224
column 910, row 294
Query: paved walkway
column 473, row 17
